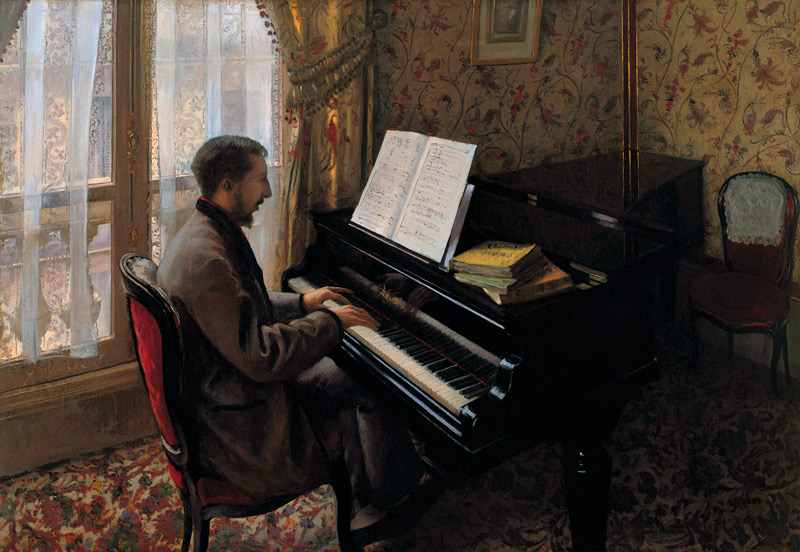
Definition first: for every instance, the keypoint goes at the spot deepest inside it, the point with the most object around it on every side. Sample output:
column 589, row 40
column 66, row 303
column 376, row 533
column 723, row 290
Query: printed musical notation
column 415, row 189
column 384, row 196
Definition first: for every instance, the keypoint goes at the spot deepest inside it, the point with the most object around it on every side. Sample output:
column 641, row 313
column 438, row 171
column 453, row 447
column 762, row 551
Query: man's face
column 251, row 192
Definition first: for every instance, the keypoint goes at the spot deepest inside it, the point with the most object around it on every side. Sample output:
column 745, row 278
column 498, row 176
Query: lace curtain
column 755, row 209
column 48, row 78
column 216, row 72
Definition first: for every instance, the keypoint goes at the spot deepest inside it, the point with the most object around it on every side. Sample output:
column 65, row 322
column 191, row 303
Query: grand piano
column 478, row 381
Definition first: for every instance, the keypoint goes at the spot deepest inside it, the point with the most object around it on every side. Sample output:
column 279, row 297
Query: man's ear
column 226, row 185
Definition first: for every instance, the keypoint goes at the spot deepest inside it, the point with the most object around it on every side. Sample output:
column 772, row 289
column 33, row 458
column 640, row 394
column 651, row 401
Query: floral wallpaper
column 717, row 81
column 566, row 105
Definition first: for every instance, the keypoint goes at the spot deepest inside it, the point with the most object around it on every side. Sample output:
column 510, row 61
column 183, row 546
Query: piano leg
column 668, row 281
column 587, row 483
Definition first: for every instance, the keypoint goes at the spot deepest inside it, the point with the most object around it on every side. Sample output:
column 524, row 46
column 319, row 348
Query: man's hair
column 221, row 157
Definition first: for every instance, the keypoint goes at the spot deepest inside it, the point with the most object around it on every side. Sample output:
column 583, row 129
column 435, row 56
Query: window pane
column 185, row 198
column 54, row 274
column 215, row 57
column 57, row 80
column 102, row 107
column 11, row 84
column 101, row 264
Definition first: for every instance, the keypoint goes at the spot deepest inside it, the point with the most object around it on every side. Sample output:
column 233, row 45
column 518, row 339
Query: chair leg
column 693, row 336
column 785, row 341
column 187, row 527
column 730, row 345
column 344, row 502
column 201, row 536
column 777, row 346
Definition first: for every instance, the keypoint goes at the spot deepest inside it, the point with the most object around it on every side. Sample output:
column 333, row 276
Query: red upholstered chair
column 157, row 335
column 758, row 213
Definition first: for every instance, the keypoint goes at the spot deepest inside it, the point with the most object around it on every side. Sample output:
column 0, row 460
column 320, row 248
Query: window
column 75, row 174
column 216, row 71
column 58, row 190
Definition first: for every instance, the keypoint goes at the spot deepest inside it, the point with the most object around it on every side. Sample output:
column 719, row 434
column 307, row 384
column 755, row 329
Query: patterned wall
column 566, row 105
column 717, row 82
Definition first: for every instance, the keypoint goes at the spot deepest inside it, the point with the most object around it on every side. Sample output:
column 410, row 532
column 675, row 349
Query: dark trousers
column 378, row 451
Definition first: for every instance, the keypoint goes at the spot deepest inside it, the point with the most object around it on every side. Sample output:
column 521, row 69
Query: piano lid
column 607, row 212
column 594, row 186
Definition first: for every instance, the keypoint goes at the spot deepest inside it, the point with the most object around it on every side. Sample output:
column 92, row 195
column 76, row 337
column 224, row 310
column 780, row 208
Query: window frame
column 127, row 191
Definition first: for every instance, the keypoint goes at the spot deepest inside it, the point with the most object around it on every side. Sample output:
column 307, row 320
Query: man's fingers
column 371, row 323
column 339, row 289
column 339, row 297
column 365, row 319
column 355, row 316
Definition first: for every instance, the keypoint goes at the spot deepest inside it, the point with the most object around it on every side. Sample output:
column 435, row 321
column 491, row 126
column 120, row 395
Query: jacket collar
column 234, row 232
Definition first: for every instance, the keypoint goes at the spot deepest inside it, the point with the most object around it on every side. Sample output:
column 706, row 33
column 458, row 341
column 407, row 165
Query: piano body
column 478, row 381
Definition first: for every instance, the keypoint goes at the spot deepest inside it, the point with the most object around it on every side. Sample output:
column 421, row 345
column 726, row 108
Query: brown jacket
column 242, row 347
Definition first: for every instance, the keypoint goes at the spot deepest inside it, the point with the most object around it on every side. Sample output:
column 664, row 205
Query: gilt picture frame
column 505, row 31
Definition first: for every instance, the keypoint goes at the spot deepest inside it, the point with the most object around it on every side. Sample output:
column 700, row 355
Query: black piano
column 478, row 381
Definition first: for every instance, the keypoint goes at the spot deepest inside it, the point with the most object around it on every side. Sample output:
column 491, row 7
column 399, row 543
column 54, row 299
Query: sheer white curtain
column 216, row 72
column 47, row 82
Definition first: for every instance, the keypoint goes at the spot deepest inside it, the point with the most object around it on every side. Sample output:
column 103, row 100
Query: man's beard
column 240, row 215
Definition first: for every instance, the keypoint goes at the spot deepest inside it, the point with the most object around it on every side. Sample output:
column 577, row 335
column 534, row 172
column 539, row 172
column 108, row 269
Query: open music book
column 415, row 195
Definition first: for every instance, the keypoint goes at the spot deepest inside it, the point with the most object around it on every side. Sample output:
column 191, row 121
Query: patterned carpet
column 706, row 461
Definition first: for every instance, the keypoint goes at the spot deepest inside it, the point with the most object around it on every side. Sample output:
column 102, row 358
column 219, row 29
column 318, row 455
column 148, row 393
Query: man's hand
column 313, row 300
column 350, row 316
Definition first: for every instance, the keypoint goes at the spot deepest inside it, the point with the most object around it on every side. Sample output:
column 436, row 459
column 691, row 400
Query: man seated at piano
column 256, row 358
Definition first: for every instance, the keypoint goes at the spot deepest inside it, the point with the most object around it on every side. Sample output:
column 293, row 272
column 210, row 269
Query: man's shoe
column 366, row 516
column 404, row 514
column 370, row 524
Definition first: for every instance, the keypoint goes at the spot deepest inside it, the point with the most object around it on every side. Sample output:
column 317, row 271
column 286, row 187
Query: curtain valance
column 10, row 15
column 324, row 46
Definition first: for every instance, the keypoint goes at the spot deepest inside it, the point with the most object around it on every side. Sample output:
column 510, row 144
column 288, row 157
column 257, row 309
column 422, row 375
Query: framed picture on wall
column 505, row 31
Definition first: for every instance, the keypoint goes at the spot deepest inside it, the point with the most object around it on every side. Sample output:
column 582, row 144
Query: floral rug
column 704, row 461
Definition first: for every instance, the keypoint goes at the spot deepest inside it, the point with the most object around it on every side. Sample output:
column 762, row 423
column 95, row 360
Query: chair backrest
column 758, row 213
column 156, row 333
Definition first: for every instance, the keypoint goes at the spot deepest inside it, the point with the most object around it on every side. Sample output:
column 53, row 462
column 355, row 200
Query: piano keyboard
column 445, row 365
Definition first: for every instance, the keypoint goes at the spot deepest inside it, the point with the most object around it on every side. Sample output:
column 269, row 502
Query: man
column 253, row 357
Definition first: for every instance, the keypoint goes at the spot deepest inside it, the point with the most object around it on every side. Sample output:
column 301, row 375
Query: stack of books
column 510, row 272
column 595, row 277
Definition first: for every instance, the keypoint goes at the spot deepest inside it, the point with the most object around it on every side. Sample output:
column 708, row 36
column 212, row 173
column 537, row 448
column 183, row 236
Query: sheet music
column 387, row 189
column 439, row 186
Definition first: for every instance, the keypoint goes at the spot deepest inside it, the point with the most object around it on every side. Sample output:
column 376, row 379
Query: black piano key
column 391, row 332
column 428, row 357
column 403, row 340
column 449, row 373
column 473, row 365
column 417, row 350
column 446, row 365
column 485, row 376
column 439, row 364
column 441, row 345
column 474, row 391
column 462, row 382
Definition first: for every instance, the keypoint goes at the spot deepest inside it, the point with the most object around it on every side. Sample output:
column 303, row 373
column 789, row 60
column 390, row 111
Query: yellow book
column 495, row 258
